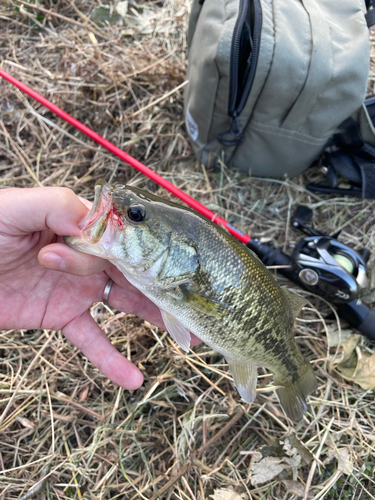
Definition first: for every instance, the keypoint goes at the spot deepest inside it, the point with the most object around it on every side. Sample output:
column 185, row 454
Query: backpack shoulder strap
column 370, row 14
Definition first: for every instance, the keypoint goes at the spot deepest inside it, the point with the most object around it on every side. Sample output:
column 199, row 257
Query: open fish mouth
column 95, row 224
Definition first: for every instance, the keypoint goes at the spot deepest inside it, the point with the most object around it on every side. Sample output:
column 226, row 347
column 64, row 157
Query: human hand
column 46, row 284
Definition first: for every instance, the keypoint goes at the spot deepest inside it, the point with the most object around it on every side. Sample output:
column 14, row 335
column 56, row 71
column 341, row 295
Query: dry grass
column 185, row 433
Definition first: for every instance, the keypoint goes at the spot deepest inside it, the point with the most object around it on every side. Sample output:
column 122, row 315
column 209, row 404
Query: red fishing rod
column 127, row 158
column 321, row 274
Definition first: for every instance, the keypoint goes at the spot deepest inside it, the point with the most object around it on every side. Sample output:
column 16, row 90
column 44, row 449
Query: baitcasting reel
column 326, row 267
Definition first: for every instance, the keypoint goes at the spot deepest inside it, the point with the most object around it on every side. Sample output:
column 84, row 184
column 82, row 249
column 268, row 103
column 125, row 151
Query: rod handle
column 360, row 316
column 271, row 256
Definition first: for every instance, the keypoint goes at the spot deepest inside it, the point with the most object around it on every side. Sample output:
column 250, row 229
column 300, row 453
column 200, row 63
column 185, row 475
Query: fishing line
column 158, row 179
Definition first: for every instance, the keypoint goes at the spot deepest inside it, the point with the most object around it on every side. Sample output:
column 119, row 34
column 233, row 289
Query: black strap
column 359, row 171
column 355, row 160
column 352, row 159
column 368, row 179
column 343, row 165
column 370, row 17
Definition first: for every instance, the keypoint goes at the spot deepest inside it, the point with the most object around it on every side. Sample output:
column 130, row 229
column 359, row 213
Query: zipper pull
column 234, row 130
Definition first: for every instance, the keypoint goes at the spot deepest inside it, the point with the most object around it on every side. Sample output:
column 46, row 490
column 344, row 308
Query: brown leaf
column 294, row 487
column 349, row 346
column 270, row 467
column 335, row 338
column 356, row 364
column 285, row 454
column 293, row 446
column 345, row 464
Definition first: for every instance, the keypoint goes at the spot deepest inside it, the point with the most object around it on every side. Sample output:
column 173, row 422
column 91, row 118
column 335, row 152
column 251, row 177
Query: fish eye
column 137, row 213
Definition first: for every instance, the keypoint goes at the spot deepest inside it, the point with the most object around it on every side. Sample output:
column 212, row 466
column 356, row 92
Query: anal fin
column 177, row 331
column 245, row 378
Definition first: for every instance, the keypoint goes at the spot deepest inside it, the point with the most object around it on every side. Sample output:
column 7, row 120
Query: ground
column 185, row 433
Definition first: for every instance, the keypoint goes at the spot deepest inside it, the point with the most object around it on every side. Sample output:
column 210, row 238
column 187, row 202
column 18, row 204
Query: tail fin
column 293, row 394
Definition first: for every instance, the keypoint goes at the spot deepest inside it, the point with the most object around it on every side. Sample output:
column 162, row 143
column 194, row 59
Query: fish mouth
column 94, row 225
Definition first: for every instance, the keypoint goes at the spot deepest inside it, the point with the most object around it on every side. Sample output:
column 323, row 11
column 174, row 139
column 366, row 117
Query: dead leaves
column 294, row 487
column 336, row 337
column 344, row 461
column 268, row 468
column 284, row 456
column 356, row 363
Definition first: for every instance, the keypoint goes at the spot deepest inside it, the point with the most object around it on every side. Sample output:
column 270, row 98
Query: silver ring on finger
column 107, row 291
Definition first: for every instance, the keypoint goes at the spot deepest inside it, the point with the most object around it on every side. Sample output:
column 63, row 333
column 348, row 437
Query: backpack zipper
column 236, row 101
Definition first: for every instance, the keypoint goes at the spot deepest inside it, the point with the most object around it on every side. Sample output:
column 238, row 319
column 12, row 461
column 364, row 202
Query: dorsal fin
column 296, row 302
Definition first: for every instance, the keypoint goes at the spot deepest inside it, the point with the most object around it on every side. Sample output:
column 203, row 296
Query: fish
column 204, row 281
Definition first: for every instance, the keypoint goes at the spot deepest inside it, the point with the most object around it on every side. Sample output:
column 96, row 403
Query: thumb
column 24, row 211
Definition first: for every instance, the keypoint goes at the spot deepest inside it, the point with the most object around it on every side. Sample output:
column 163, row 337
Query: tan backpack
column 270, row 81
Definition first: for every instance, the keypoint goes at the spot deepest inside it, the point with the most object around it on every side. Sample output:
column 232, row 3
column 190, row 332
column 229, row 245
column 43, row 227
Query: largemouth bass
column 204, row 281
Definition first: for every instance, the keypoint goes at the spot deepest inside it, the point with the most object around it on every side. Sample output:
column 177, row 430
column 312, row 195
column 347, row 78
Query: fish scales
column 250, row 275
column 204, row 281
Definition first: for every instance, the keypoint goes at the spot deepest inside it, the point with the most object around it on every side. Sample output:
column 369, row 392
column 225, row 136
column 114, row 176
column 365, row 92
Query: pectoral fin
column 245, row 379
column 204, row 304
column 177, row 331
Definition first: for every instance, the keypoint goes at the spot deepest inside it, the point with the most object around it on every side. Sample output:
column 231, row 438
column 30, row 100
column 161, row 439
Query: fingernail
column 53, row 261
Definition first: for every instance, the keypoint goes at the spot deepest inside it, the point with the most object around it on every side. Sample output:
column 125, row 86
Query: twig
column 153, row 103
column 195, row 368
column 39, row 486
column 314, row 464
